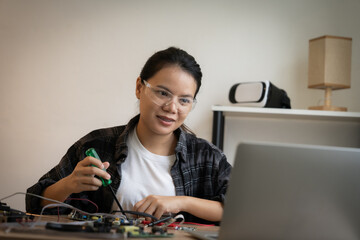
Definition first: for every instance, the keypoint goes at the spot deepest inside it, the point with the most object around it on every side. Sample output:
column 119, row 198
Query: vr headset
column 259, row 94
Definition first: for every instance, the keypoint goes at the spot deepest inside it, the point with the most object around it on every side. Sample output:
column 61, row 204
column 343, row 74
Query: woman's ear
column 138, row 88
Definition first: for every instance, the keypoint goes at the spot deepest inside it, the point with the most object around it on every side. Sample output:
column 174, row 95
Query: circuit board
column 82, row 225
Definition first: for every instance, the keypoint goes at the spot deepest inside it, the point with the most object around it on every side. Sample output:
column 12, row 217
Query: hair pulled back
column 172, row 56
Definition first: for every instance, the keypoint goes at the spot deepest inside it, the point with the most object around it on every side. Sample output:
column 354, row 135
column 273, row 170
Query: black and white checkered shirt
column 200, row 169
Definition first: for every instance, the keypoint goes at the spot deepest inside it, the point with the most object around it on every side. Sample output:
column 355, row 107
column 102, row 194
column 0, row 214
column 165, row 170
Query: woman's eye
column 162, row 93
column 185, row 101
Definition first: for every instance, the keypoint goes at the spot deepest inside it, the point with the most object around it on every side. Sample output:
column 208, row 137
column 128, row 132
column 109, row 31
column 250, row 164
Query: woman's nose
column 171, row 106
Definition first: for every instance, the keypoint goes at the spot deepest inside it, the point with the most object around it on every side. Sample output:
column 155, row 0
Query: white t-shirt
column 143, row 173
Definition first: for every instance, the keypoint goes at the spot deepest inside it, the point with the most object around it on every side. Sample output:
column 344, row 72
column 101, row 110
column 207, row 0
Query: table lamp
column 329, row 67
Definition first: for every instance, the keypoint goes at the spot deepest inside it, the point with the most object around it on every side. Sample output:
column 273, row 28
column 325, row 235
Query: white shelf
column 287, row 113
column 300, row 126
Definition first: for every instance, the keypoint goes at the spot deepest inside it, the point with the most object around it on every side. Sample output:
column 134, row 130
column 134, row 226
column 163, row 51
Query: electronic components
column 82, row 223
column 8, row 214
column 116, row 225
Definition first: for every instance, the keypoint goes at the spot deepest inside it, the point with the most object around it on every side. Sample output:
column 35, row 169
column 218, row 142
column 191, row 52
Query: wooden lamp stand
column 327, row 105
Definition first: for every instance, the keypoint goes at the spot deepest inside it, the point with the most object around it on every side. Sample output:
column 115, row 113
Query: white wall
column 68, row 67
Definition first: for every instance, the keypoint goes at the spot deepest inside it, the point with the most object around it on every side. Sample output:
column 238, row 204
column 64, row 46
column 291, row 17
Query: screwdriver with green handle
column 92, row 153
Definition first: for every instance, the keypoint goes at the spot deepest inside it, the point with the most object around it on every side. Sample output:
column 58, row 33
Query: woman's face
column 164, row 119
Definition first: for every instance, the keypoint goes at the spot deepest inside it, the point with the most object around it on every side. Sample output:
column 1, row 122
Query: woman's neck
column 163, row 145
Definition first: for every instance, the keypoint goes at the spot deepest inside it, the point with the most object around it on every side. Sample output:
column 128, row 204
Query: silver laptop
column 293, row 192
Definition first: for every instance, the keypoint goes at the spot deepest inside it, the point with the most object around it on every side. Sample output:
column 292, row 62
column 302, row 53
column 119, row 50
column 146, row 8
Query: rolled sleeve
column 32, row 202
column 63, row 169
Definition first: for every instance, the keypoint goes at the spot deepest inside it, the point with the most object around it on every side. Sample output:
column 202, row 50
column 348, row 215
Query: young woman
column 156, row 164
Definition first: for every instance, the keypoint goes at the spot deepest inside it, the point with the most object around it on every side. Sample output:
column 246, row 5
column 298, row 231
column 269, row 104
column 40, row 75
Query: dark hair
column 172, row 56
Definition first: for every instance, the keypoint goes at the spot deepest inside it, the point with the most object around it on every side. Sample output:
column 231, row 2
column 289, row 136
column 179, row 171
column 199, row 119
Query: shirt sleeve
column 63, row 169
column 222, row 180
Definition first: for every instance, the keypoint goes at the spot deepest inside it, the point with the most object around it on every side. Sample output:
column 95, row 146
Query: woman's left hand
column 158, row 205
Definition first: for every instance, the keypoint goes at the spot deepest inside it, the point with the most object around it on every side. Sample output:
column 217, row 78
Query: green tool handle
column 92, row 153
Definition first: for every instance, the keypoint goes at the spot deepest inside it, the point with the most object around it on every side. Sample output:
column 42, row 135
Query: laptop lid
column 288, row 191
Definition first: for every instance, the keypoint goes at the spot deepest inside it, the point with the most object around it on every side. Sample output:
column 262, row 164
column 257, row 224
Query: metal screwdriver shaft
column 117, row 201
column 92, row 153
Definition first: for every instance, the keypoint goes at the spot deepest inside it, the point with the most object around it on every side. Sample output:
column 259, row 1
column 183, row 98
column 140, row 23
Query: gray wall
column 68, row 67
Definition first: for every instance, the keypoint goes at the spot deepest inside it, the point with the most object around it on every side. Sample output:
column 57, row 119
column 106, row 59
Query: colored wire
column 61, row 204
column 159, row 221
column 138, row 213
column 56, row 204
column 199, row 224
column 84, row 199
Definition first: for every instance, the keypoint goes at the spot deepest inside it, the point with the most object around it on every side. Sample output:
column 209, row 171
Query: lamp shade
column 329, row 62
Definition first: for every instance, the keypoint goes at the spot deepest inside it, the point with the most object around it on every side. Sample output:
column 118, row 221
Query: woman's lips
column 165, row 120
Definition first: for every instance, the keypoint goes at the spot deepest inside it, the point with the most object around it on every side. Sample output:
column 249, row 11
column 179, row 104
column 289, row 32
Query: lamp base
column 328, row 108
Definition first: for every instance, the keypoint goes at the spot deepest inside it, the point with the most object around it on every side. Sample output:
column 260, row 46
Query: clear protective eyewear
column 162, row 97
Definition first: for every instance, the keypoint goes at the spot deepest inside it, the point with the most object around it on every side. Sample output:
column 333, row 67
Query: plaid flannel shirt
column 200, row 169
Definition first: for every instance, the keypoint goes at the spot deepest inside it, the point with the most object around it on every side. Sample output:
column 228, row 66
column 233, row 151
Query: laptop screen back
column 288, row 191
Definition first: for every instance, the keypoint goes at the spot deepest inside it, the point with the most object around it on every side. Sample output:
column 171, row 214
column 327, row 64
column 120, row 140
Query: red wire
column 20, row 221
column 176, row 224
column 199, row 224
column 84, row 199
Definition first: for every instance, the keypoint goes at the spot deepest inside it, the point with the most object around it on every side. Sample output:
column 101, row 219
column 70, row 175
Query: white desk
column 283, row 125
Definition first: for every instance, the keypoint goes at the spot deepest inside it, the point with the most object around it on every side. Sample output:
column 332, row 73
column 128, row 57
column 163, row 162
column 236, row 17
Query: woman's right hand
column 83, row 177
